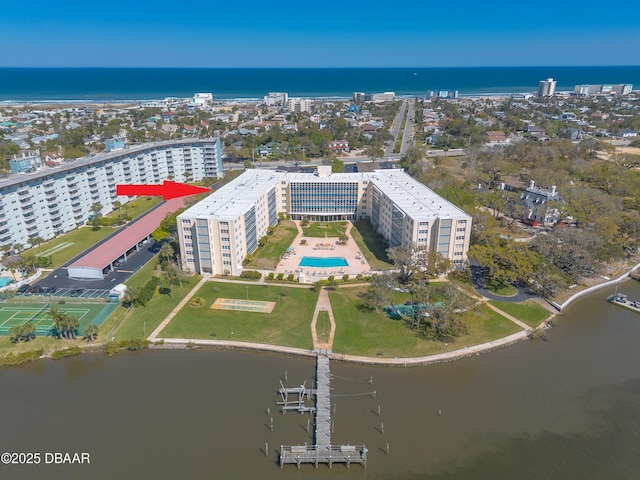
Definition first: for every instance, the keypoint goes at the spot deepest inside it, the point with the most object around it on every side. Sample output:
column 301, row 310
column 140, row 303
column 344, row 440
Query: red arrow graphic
column 167, row 190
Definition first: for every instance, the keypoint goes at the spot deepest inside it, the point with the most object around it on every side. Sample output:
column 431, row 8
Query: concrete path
column 323, row 305
column 154, row 335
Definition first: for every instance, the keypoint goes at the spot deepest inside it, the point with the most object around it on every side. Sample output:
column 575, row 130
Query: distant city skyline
column 331, row 34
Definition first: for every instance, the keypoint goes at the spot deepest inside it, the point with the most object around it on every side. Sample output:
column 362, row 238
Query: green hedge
column 20, row 358
column 66, row 352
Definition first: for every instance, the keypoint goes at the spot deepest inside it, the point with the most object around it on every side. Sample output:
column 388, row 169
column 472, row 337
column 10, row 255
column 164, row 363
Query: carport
column 101, row 258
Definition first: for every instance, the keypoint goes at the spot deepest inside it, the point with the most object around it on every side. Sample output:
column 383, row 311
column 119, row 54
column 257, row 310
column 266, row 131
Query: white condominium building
column 276, row 98
column 547, row 88
column 54, row 200
column 220, row 231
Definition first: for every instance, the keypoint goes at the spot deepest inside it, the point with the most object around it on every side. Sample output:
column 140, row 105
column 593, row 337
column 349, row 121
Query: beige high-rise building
column 218, row 233
column 547, row 88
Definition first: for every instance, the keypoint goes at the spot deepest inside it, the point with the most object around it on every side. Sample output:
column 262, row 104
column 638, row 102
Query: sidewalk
column 323, row 305
column 154, row 335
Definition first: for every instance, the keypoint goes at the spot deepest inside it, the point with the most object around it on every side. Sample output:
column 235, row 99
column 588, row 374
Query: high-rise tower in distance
column 547, row 88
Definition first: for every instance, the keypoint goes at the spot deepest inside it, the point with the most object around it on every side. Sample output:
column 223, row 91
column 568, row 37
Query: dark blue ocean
column 113, row 84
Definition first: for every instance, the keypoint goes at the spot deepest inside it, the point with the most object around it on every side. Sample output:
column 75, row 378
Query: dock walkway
column 322, row 451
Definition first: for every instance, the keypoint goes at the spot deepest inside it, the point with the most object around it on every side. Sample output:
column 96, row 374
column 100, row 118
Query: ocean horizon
column 131, row 84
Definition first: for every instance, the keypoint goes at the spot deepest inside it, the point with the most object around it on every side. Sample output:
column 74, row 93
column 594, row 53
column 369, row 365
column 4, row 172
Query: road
column 395, row 129
column 407, row 137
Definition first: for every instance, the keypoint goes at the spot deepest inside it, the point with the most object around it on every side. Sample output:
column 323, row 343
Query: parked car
column 23, row 289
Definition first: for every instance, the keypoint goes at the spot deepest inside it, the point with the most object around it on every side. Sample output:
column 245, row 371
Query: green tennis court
column 14, row 314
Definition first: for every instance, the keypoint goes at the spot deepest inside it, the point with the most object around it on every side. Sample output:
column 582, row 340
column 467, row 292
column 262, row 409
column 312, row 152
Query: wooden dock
column 322, row 451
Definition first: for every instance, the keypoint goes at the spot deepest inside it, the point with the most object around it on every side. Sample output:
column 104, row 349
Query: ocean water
column 113, row 84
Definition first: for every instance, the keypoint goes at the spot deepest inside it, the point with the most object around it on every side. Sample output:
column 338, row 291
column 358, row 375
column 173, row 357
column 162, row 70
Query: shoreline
column 160, row 343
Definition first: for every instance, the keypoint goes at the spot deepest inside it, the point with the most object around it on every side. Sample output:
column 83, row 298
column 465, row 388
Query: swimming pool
column 320, row 262
column 4, row 281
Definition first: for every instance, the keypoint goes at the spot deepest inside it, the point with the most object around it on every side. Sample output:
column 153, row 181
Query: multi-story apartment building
column 220, row 231
column 299, row 105
column 547, row 88
column 588, row 90
column 276, row 98
column 54, row 200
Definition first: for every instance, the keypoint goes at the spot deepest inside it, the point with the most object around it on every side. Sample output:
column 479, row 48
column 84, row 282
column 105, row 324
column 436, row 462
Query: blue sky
column 329, row 33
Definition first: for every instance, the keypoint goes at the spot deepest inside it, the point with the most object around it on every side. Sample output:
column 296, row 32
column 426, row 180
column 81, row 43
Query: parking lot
column 39, row 291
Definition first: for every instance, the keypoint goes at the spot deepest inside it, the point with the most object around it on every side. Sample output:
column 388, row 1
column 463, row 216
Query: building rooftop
column 412, row 197
column 238, row 196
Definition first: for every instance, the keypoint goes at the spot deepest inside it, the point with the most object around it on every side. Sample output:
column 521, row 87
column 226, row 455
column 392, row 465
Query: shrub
column 250, row 275
column 197, row 302
column 20, row 358
column 331, row 279
column 290, row 277
column 66, row 352
column 345, row 278
column 303, row 241
column 359, row 277
column 136, row 344
column 271, row 276
column 111, row 348
column 280, row 276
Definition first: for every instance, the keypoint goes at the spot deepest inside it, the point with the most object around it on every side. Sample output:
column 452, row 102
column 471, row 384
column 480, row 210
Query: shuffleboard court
column 15, row 314
column 56, row 249
column 243, row 305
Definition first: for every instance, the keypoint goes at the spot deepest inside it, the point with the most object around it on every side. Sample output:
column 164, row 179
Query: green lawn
column 500, row 288
column 372, row 245
column 267, row 257
column 528, row 311
column 324, row 229
column 323, row 325
column 64, row 247
column 133, row 326
column 361, row 332
column 289, row 324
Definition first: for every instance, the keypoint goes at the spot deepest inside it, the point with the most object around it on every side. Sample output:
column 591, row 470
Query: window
column 462, row 222
column 224, row 232
column 461, row 229
column 460, row 237
column 458, row 254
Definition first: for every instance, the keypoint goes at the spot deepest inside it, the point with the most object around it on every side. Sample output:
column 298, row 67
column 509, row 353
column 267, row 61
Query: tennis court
column 14, row 314
column 243, row 305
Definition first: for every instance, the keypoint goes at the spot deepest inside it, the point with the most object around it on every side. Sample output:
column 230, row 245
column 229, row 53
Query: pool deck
column 324, row 247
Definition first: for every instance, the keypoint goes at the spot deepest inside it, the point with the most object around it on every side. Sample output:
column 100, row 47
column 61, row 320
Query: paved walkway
column 154, row 335
column 323, row 305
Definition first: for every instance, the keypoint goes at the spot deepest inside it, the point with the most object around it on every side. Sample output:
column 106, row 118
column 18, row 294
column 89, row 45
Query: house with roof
column 497, row 137
column 339, row 146
column 537, row 199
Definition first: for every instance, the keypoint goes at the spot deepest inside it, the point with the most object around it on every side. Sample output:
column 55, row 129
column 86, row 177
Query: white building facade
column 219, row 232
column 547, row 88
column 55, row 200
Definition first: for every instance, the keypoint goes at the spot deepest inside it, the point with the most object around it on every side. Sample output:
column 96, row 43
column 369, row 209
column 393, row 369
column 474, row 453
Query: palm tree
column 18, row 247
column 6, row 249
column 117, row 205
column 91, row 333
column 130, row 297
column 37, row 241
column 166, row 252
